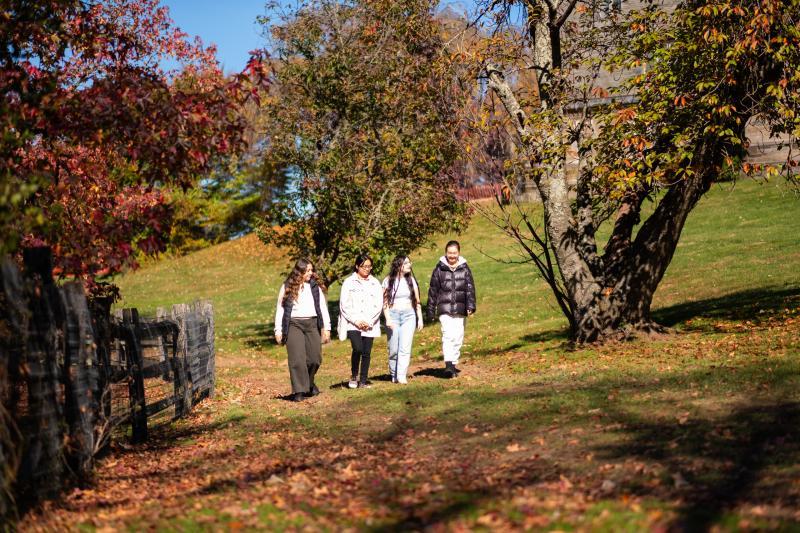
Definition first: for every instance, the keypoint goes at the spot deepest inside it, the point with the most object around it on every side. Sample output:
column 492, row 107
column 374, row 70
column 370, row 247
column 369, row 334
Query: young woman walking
column 403, row 311
column 360, row 307
column 302, row 323
column 451, row 297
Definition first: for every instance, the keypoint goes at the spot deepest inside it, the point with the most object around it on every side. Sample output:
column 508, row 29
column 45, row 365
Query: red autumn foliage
column 95, row 126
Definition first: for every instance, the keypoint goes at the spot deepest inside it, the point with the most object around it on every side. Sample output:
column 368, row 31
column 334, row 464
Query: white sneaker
column 352, row 384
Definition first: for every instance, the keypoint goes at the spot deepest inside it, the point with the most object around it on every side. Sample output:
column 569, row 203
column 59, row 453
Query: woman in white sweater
column 360, row 305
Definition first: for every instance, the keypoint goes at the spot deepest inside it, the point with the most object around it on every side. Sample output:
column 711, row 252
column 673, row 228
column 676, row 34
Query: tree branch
column 620, row 240
column 500, row 86
column 565, row 15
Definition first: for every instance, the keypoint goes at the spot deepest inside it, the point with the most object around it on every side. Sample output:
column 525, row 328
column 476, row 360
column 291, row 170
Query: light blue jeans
column 401, row 338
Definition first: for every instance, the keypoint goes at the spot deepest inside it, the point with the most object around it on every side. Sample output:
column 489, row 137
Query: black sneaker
column 456, row 369
column 313, row 392
column 297, row 397
column 450, row 370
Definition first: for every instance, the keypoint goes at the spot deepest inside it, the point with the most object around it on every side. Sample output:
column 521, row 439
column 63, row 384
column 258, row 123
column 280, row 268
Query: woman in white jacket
column 360, row 306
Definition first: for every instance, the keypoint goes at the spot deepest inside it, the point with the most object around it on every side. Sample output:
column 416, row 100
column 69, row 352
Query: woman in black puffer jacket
column 451, row 297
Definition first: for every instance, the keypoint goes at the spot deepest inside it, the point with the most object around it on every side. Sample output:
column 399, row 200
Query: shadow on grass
column 464, row 499
column 547, row 336
column 413, row 522
column 167, row 436
column 743, row 305
column 706, row 465
column 345, row 384
column 717, row 465
column 525, row 342
column 434, row 372
column 287, row 397
column 259, row 336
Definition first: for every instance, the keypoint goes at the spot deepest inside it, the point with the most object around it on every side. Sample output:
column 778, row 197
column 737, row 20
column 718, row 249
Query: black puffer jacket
column 452, row 291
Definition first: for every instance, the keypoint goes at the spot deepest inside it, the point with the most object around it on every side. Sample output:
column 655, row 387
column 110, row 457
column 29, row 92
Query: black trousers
column 304, row 346
column 362, row 349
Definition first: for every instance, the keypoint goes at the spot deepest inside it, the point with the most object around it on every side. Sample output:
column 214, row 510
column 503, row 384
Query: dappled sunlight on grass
column 686, row 432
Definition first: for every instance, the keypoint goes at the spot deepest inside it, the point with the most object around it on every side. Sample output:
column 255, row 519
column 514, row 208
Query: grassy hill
column 696, row 431
column 741, row 248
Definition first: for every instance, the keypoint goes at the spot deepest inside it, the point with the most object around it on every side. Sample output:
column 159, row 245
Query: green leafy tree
column 223, row 205
column 362, row 111
column 227, row 202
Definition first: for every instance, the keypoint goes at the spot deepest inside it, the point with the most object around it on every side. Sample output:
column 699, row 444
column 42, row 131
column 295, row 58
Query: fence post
column 207, row 311
column 80, row 379
column 14, row 319
column 166, row 362
column 183, row 376
column 100, row 308
column 195, row 342
column 135, row 360
column 43, row 439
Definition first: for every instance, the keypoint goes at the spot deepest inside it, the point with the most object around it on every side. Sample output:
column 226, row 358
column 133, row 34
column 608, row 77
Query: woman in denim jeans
column 403, row 311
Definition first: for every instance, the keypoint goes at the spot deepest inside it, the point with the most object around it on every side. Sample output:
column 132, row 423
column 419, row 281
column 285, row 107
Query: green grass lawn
column 697, row 430
column 738, row 255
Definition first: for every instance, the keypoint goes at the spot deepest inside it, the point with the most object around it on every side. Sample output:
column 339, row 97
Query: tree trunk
column 622, row 306
column 657, row 239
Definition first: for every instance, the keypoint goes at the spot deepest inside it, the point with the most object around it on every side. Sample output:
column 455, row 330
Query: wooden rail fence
column 72, row 376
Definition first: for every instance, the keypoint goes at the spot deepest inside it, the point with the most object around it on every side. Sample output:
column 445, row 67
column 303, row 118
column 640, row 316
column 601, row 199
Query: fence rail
column 482, row 192
column 72, row 375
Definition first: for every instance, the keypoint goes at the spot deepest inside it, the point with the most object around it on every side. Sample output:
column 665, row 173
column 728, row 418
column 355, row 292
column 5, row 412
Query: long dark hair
column 395, row 271
column 294, row 281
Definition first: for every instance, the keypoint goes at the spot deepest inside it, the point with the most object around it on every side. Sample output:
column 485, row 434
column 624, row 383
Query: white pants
column 452, row 337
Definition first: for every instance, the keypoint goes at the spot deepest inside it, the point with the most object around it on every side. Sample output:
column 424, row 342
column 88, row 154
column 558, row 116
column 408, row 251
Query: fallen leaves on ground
column 247, row 459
